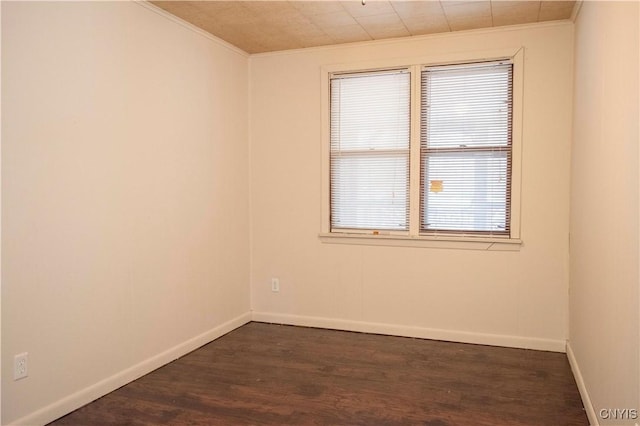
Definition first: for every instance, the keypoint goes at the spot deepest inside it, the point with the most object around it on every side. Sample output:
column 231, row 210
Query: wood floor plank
column 266, row 374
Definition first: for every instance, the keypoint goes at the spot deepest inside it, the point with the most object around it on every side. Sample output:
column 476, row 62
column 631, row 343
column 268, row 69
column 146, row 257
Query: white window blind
column 465, row 146
column 369, row 150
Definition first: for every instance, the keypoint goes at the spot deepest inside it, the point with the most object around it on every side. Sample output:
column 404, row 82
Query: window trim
column 413, row 237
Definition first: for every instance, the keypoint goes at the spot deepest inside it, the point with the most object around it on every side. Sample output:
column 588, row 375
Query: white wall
column 604, row 306
column 125, row 203
column 124, row 197
column 511, row 298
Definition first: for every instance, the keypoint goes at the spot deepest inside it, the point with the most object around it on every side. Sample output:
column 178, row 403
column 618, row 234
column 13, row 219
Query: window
column 465, row 148
column 370, row 150
column 424, row 152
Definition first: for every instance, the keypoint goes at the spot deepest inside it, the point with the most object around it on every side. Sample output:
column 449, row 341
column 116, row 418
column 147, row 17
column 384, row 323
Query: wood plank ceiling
column 265, row 26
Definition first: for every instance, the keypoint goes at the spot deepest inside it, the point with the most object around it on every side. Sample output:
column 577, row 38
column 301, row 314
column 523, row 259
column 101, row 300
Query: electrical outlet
column 20, row 366
column 275, row 285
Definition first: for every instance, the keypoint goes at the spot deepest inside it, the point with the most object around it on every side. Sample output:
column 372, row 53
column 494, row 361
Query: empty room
column 320, row 212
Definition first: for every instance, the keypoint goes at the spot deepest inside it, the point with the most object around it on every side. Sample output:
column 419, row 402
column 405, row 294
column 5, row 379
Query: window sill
column 441, row 241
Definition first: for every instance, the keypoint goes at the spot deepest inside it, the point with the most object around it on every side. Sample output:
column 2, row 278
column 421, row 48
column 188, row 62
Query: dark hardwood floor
column 283, row 375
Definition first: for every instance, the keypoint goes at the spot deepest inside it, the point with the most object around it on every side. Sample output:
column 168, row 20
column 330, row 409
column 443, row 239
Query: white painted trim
column 150, row 6
column 109, row 384
column 582, row 388
column 439, row 241
column 325, row 141
column 412, row 331
column 517, row 140
column 415, row 164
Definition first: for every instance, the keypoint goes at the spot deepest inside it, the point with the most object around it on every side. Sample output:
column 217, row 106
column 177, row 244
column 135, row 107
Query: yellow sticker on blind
column 435, row 186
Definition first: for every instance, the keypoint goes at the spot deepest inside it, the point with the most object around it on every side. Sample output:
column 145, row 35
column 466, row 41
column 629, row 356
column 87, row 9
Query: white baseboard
column 78, row 399
column 411, row 331
column 109, row 384
column 582, row 388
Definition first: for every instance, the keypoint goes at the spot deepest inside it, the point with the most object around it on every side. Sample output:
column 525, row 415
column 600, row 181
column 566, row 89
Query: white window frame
column 413, row 238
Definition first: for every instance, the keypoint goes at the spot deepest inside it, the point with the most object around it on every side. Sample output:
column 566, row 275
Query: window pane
column 370, row 111
column 467, row 107
column 466, row 191
column 370, row 130
column 369, row 191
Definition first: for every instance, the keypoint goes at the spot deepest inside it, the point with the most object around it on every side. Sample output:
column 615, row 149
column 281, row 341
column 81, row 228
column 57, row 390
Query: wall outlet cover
column 20, row 366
